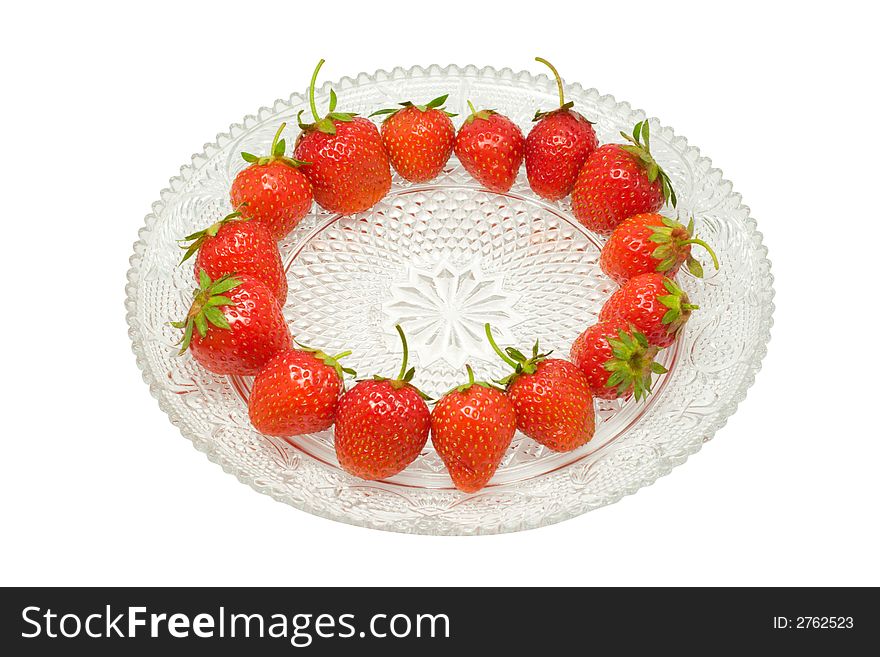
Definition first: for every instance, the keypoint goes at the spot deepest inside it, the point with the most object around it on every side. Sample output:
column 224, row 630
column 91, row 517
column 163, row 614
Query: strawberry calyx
column 678, row 303
column 332, row 361
column 671, row 239
column 471, row 382
column 279, row 146
column 563, row 106
column 516, row 359
column 478, row 114
column 199, row 237
column 436, row 104
column 632, row 363
column 640, row 147
column 205, row 309
column 405, row 376
column 323, row 124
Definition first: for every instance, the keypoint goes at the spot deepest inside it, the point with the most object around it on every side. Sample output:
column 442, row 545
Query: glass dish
column 442, row 259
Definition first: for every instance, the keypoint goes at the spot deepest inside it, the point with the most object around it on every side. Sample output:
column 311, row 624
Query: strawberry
column 648, row 243
column 618, row 181
column 557, row 146
column 297, row 392
column 551, row 398
column 382, row 424
column 348, row 168
column 652, row 304
column 234, row 325
column 418, row 138
column 471, row 428
column 490, row 148
column 235, row 245
column 617, row 359
column 272, row 190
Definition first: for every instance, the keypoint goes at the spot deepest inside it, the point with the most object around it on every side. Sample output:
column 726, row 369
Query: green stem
column 405, row 353
column 497, row 349
column 690, row 306
column 342, row 355
column 312, row 91
column 558, row 79
column 470, row 372
column 275, row 139
column 699, row 242
column 473, row 109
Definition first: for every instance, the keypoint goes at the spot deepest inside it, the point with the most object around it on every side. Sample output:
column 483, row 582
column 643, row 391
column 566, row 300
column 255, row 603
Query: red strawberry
column 652, row 304
column 648, row 243
column 551, row 398
column 382, row 424
column 348, row 165
column 471, row 428
column 235, row 245
column 418, row 138
column 557, row 147
column 490, row 148
column 617, row 359
column 234, row 325
column 272, row 190
column 618, row 181
column 296, row 393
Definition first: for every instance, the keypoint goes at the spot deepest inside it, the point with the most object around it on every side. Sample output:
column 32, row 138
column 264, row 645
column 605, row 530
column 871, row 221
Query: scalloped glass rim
column 434, row 521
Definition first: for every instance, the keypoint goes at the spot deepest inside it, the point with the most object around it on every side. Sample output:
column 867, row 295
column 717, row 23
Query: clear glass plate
column 441, row 259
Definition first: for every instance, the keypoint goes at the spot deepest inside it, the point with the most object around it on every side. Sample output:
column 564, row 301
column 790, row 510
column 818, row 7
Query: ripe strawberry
column 490, row 148
column 297, row 392
column 653, row 305
column 418, row 138
column 648, row 243
column 617, row 359
column 557, row 147
column 471, row 428
column 348, row 165
column 618, row 181
column 235, row 245
column 272, row 190
column 382, row 424
column 551, row 398
column 238, row 325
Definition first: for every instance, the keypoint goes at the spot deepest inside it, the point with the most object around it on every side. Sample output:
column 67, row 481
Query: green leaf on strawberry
column 516, row 359
column 640, row 148
column 436, row 104
column 276, row 152
column 632, row 363
column 671, row 239
column 563, row 105
column 332, row 361
column 405, row 376
column 207, row 299
column 323, row 124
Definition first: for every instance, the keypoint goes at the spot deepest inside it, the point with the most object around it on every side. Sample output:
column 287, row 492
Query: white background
column 101, row 105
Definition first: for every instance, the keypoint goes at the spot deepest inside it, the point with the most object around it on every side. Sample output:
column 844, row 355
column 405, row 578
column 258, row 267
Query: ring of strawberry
column 651, row 243
column 471, row 428
column 382, row 424
column 620, row 180
column 491, row 148
column 348, row 165
column 236, row 245
column 551, row 398
column 652, row 304
column 617, row 359
column 297, row 392
column 234, row 325
column 557, row 146
column 418, row 138
column 272, row 190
